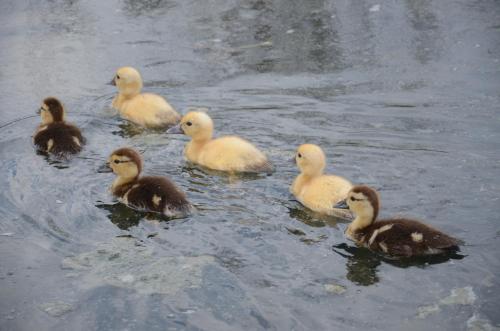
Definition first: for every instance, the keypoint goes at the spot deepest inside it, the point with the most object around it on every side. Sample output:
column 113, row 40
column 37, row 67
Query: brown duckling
column 398, row 237
column 54, row 135
column 148, row 193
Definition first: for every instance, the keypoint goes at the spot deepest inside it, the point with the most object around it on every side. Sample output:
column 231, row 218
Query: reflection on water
column 400, row 95
column 362, row 263
column 125, row 217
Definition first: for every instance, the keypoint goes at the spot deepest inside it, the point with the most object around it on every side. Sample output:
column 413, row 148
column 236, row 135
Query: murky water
column 402, row 95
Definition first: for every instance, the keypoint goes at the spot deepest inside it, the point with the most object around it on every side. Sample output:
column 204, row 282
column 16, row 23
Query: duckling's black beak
column 176, row 129
column 292, row 160
column 112, row 82
column 39, row 111
column 342, row 205
column 104, row 168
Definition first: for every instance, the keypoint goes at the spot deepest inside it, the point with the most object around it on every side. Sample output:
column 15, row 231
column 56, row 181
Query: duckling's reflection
column 314, row 219
column 197, row 171
column 362, row 263
column 128, row 130
column 57, row 162
column 125, row 217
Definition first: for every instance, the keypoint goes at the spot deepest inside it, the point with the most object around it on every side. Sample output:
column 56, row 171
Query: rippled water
column 402, row 96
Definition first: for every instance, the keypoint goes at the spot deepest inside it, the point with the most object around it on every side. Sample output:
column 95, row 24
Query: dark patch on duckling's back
column 55, row 108
column 399, row 241
column 371, row 195
column 145, row 190
column 62, row 135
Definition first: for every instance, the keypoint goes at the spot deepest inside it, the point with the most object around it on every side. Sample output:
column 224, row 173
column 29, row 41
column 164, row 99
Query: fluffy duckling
column 157, row 194
column 315, row 190
column 54, row 135
column 229, row 153
column 398, row 237
column 145, row 109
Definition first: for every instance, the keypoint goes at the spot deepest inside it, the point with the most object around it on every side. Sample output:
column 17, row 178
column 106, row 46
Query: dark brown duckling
column 54, row 135
column 148, row 193
column 398, row 237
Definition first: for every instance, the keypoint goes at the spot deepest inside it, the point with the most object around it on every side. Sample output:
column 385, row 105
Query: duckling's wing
column 62, row 138
column 156, row 194
column 235, row 153
column 407, row 237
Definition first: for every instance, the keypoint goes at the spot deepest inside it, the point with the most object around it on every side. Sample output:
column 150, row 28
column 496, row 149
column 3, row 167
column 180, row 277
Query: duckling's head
column 126, row 163
column 51, row 111
column 363, row 201
column 196, row 124
column 310, row 159
column 128, row 80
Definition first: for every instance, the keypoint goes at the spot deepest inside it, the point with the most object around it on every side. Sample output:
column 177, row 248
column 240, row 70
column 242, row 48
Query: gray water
column 402, row 95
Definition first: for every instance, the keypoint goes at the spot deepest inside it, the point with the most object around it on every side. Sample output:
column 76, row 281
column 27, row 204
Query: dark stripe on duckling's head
column 132, row 155
column 55, row 108
column 371, row 195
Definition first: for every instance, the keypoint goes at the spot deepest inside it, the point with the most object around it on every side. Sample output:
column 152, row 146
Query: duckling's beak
column 342, row 205
column 292, row 160
column 176, row 129
column 39, row 111
column 112, row 82
column 104, row 168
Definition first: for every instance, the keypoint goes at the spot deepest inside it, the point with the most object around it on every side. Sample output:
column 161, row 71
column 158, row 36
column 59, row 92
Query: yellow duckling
column 314, row 190
column 54, row 135
column 229, row 153
column 145, row 109
column 148, row 193
column 399, row 237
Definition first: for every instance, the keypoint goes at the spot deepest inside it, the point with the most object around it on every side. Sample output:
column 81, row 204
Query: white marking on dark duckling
column 417, row 237
column 156, row 200
column 50, row 143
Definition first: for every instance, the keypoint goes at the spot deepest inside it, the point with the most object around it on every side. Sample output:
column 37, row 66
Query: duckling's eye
column 116, row 161
column 117, row 77
column 299, row 155
column 353, row 199
column 189, row 123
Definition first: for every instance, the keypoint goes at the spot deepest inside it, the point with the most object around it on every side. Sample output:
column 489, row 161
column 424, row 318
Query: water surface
column 403, row 96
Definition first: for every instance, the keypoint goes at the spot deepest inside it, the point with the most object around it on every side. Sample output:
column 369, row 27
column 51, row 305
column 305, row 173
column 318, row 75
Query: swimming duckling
column 397, row 237
column 145, row 109
column 54, row 135
column 315, row 190
column 228, row 153
column 157, row 194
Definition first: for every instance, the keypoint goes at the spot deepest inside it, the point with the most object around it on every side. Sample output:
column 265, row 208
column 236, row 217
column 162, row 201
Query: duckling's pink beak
column 176, row 129
column 342, row 205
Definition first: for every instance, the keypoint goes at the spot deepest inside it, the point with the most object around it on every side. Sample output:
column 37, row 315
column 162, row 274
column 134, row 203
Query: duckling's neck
column 362, row 220
column 120, row 181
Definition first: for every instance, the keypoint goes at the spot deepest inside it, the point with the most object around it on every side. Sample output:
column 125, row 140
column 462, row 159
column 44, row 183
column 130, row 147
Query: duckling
column 398, row 237
column 230, row 153
column 148, row 193
column 54, row 135
column 145, row 109
column 315, row 190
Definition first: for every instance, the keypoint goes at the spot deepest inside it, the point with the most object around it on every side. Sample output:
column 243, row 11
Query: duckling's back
column 149, row 110
column 232, row 153
column 405, row 237
column 59, row 138
column 158, row 194
column 322, row 193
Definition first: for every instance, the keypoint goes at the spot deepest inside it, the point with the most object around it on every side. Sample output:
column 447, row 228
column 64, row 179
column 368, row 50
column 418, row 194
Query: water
column 403, row 96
